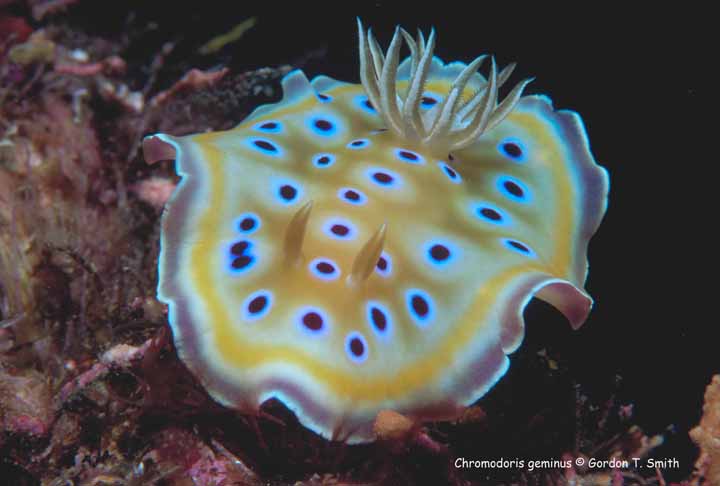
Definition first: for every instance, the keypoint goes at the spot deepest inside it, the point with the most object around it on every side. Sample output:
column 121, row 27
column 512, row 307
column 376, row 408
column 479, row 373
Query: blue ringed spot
column 269, row 126
column 490, row 213
column 239, row 248
column 364, row 104
column 356, row 347
column 242, row 263
column 324, row 269
column 339, row 229
column 429, row 100
column 353, row 196
column 257, row 305
column 248, row 223
column 358, row 144
column 323, row 160
column 420, row 306
column 286, row 192
column 240, row 258
column 312, row 320
column 383, row 177
column 513, row 188
column 440, row 253
column 325, row 126
column 451, row 173
column 379, row 318
column 513, row 149
column 384, row 265
column 265, row 146
column 518, row 247
column 408, row 156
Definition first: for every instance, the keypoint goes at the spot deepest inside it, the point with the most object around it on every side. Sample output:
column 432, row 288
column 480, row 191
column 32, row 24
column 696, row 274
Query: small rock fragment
column 390, row 425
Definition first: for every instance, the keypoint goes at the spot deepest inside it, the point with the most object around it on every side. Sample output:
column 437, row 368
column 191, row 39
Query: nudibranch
column 354, row 248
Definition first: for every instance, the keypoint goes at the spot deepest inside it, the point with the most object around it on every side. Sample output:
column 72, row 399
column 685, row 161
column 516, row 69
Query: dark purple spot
column 357, row 347
column 324, row 160
column 369, row 105
column 450, row 157
column 247, row 224
column 351, row 195
column 512, row 149
column 325, row 267
column 513, row 188
column 408, row 155
column 519, row 246
column 340, row 229
column 378, row 318
column 357, row 143
column 323, row 125
column 264, row 145
column 491, row 214
column 288, row 192
column 269, row 126
column 420, row 306
column 383, row 178
column 382, row 264
column 427, row 101
column 257, row 304
column 439, row 253
column 313, row 321
column 450, row 172
column 241, row 262
column 239, row 247
column 324, row 97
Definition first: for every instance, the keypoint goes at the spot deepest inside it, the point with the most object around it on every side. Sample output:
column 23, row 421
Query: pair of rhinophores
column 360, row 247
